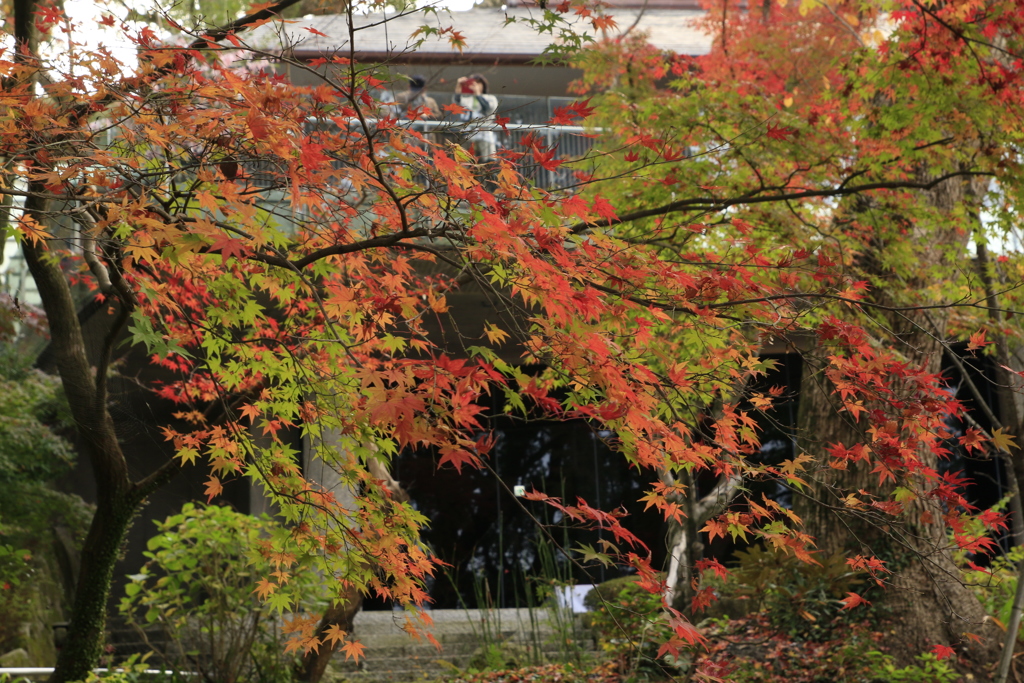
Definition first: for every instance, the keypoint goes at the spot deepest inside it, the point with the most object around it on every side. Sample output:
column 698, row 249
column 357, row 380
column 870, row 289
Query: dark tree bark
column 118, row 496
column 927, row 602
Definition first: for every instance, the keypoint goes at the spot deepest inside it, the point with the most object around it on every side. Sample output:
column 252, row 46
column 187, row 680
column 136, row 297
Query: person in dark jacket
column 415, row 101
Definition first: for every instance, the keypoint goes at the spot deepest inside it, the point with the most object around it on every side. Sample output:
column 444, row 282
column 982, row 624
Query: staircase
column 393, row 655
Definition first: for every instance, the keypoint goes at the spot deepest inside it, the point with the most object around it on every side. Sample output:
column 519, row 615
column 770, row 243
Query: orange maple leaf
column 853, row 600
column 251, row 412
column 264, row 588
column 977, row 341
column 31, row 230
column 335, row 634
column 213, row 488
column 353, row 650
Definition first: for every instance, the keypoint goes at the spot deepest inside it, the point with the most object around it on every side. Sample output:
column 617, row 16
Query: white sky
column 87, row 13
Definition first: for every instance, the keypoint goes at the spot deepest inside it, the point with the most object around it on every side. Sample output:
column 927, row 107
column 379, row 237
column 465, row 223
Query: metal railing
column 528, row 115
column 570, row 145
column 40, row 671
column 523, row 117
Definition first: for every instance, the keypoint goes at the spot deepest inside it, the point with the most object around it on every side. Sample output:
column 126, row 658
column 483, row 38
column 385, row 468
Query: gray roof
column 489, row 39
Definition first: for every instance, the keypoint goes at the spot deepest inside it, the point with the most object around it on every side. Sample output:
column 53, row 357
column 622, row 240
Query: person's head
column 479, row 78
column 417, row 82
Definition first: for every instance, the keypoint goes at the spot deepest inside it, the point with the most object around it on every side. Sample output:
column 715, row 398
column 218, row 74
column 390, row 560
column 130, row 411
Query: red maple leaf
column 48, row 16
column 780, row 132
column 942, row 651
column 563, row 116
column 458, row 457
column 229, row 247
column 603, row 209
column 547, row 159
column 311, row 155
column 582, row 109
column 714, row 565
column 567, row 115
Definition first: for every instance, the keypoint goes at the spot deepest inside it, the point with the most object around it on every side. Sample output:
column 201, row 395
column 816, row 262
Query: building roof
column 489, row 37
column 635, row 4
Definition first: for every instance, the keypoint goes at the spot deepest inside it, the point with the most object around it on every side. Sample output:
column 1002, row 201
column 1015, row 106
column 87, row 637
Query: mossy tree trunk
column 119, row 498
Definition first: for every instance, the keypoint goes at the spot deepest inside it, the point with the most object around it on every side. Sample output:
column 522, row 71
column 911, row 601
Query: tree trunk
column 86, row 631
column 119, row 498
column 926, row 601
column 684, row 543
column 342, row 613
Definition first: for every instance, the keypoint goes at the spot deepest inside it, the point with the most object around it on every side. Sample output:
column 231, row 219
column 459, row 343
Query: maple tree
column 847, row 177
column 283, row 253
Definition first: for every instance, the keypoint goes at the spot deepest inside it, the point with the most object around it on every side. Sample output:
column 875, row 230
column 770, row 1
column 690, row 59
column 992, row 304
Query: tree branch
column 711, row 204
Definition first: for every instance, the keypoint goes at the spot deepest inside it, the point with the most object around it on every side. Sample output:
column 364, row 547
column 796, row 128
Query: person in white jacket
column 480, row 106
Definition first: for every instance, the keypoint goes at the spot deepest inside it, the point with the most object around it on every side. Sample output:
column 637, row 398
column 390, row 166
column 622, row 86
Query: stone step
column 408, row 669
column 392, row 655
column 461, row 621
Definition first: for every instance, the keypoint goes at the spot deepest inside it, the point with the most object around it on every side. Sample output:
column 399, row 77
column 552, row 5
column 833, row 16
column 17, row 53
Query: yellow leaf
column 1002, row 441
column 495, row 335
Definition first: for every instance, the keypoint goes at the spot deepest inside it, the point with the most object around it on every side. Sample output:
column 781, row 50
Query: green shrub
column 930, row 670
column 197, row 592
column 33, row 411
column 14, row 570
column 631, row 626
column 33, row 454
column 995, row 585
column 800, row 599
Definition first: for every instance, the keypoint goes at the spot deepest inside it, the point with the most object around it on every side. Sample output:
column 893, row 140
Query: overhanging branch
column 713, row 204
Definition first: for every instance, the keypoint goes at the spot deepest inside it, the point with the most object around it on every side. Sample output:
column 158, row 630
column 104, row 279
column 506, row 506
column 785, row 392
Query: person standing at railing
column 480, row 106
column 416, row 103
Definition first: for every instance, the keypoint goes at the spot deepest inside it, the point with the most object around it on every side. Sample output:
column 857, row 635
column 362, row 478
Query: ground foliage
column 753, row 650
column 563, row 673
column 804, row 600
column 285, row 254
